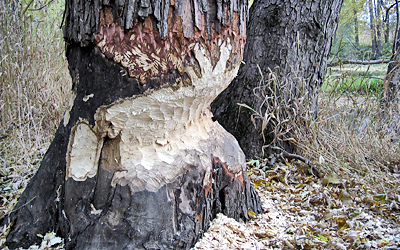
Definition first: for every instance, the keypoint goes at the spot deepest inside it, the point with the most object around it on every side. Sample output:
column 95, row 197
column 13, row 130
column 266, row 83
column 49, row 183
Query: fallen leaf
column 332, row 178
column 252, row 214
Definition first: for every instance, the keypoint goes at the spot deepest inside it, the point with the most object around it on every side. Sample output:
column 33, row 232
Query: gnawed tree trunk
column 137, row 162
column 292, row 38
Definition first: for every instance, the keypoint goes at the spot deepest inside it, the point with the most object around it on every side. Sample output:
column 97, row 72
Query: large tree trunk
column 137, row 162
column 293, row 39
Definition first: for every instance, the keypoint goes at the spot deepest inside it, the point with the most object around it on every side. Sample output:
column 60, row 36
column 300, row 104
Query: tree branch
column 367, row 62
column 43, row 6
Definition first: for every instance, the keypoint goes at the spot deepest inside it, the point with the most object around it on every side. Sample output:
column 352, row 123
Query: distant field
column 358, row 79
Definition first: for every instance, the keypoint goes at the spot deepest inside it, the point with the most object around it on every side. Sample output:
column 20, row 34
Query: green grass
column 356, row 79
column 350, row 85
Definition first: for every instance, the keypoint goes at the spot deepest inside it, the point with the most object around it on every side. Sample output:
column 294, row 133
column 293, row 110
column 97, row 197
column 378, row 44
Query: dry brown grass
column 35, row 85
column 349, row 136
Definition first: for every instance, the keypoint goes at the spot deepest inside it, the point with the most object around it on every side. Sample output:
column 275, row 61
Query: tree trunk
column 387, row 21
column 374, row 42
column 292, row 39
column 356, row 32
column 137, row 162
column 378, row 29
column 393, row 73
column 390, row 115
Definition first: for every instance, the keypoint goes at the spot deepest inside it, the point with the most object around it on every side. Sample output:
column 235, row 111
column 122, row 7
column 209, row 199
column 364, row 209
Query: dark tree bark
column 137, row 162
column 390, row 115
column 292, row 39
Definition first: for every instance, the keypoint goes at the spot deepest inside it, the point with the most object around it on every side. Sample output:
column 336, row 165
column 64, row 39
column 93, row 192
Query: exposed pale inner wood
column 83, row 156
column 166, row 130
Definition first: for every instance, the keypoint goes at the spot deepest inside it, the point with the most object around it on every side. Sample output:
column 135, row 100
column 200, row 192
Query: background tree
column 289, row 40
column 386, row 19
column 375, row 28
column 379, row 26
column 356, row 28
column 137, row 161
column 349, row 39
column 391, row 100
column 355, row 25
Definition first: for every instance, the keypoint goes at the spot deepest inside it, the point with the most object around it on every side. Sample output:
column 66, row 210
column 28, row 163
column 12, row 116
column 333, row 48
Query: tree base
column 206, row 177
column 174, row 217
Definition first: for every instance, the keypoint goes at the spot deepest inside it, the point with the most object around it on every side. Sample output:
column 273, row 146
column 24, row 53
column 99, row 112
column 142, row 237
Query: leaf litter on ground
column 304, row 208
column 307, row 211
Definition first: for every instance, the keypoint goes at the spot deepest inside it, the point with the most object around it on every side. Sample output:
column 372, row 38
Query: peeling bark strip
column 137, row 162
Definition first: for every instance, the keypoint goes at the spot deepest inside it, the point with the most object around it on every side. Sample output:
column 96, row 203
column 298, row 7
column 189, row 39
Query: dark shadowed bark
column 137, row 162
column 390, row 115
column 293, row 39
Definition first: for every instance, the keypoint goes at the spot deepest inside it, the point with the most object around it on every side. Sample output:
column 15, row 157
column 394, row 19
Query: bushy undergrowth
column 348, row 138
column 34, row 89
column 34, row 81
column 352, row 132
